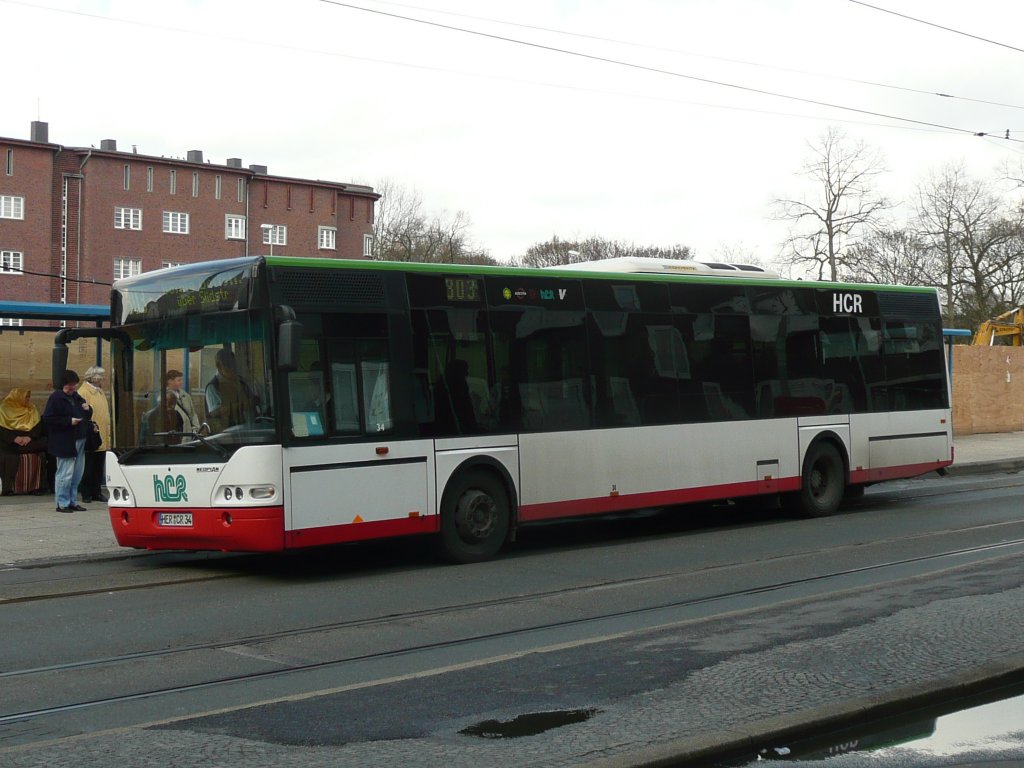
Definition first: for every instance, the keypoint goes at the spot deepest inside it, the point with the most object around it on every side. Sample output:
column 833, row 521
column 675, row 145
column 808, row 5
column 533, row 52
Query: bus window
column 912, row 354
column 455, row 390
column 546, row 353
column 636, row 360
column 718, row 350
column 344, row 388
column 360, row 386
column 306, row 401
column 306, row 397
column 375, row 370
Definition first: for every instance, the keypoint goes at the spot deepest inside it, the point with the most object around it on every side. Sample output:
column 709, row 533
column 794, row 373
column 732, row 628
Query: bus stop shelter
column 32, row 314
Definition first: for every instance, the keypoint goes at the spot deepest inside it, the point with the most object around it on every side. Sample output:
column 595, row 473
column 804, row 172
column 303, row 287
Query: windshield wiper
column 123, row 457
column 196, row 436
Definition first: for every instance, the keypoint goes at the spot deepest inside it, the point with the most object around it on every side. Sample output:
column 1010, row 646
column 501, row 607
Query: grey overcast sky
column 649, row 121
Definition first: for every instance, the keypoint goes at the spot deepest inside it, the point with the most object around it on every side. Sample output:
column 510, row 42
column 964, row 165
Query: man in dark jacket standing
column 66, row 417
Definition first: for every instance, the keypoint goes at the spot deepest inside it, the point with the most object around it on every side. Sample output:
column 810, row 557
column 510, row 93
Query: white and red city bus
column 350, row 400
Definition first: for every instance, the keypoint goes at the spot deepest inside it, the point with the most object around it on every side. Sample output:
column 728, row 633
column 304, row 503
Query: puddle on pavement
column 530, row 724
column 987, row 722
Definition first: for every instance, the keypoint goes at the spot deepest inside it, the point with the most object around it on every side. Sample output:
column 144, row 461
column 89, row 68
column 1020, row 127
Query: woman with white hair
column 92, row 390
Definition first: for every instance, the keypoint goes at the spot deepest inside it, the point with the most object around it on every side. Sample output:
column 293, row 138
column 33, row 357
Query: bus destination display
column 462, row 289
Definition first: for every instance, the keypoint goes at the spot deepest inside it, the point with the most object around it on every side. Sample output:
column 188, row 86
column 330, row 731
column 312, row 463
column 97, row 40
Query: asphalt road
column 574, row 647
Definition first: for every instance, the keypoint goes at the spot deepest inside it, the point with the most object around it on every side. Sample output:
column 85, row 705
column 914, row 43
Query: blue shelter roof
column 37, row 310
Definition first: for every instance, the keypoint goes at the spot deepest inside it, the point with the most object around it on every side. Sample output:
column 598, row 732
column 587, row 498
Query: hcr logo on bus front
column 170, row 488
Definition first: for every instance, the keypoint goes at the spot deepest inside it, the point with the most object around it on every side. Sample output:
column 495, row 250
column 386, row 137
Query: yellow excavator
column 1006, row 329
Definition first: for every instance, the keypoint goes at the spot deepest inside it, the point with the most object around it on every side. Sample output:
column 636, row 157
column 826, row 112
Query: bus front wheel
column 823, row 484
column 474, row 518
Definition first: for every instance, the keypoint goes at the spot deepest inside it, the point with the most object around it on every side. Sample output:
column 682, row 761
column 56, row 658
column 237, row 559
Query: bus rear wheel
column 474, row 518
column 823, row 484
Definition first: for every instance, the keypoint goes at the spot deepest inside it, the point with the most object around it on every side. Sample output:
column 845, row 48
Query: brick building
column 72, row 219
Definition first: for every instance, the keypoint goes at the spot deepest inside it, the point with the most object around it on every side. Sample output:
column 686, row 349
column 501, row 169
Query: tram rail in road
column 479, row 649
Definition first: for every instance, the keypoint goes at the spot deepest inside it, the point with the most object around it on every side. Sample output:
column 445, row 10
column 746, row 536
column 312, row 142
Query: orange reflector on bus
column 414, row 514
column 357, row 519
column 382, row 450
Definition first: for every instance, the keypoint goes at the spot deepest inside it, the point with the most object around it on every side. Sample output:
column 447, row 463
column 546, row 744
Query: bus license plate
column 175, row 519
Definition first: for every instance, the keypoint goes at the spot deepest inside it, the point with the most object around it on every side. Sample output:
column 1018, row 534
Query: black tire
column 474, row 518
column 823, row 483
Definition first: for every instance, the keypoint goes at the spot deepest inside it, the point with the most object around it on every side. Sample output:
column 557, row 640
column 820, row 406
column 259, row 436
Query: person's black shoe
column 76, row 508
column 87, row 499
column 65, row 509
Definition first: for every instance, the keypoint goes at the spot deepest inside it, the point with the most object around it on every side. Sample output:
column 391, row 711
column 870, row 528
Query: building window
column 127, row 176
column 149, row 179
column 234, row 227
column 169, row 264
column 327, row 237
column 241, row 190
column 275, row 234
column 127, row 268
column 174, row 181
column 367, row 246
column 216, row 186
column 12, row 262
column 10, row 162
column 12, row 321
column 176, row 223
column 127, row 218
column 195, row 183
column 12, row 207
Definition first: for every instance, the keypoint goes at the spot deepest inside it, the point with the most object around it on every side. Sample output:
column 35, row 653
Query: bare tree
column 892, row 257
column 404, row 231
column 844, row 209
column 398, row 218
column 556, row 252
column 974, row 236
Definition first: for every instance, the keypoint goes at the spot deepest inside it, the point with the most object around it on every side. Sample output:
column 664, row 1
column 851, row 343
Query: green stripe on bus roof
column 512, row 272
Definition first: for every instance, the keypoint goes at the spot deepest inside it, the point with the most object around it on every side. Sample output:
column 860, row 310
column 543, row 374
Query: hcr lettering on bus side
column 847, row 303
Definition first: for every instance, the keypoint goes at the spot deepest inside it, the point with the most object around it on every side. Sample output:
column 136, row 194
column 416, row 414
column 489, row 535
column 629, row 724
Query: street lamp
column 268, row 235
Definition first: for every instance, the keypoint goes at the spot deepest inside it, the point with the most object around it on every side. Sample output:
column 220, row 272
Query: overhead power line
column 938, row 26
column 917, row 125
column 59, row 277
column 664, row 49
column 654, row 70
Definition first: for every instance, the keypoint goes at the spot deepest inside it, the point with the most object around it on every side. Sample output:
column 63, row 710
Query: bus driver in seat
column 229, row 398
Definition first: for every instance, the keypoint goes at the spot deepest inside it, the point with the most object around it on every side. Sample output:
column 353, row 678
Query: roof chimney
column 258, row 169
column 195, row 155
column 109, row 145
column 234, row 162
column 40, row 132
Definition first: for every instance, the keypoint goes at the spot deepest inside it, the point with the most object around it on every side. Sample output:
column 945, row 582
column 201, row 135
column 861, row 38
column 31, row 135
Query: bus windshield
column 199, row 382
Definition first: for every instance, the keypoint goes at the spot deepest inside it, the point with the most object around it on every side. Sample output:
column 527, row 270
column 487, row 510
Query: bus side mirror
column 58, row 363
column 289, row 339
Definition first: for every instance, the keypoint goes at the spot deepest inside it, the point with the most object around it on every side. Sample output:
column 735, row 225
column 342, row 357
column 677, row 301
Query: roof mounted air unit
column 652, row 266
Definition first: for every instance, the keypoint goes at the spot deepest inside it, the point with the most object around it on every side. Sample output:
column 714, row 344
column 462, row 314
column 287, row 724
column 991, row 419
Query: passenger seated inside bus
column 166, row 416
column 230, row 399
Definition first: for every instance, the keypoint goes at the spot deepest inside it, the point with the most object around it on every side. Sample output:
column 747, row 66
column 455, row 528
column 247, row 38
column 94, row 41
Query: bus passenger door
column 354, row 493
